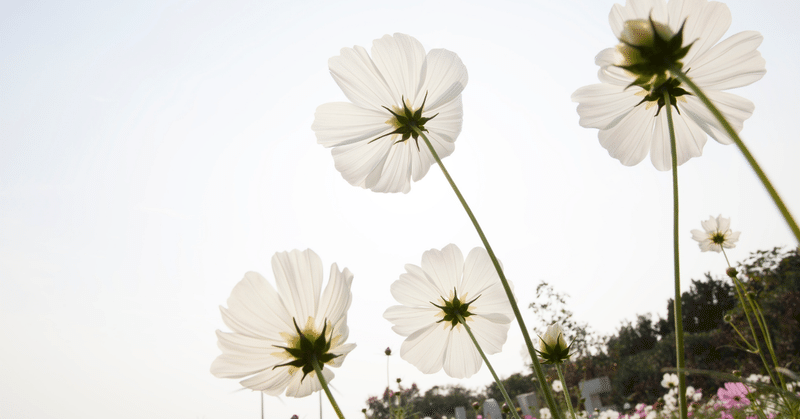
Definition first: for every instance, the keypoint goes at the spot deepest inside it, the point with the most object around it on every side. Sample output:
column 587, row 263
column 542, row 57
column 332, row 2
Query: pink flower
column 734, row 395
column 725, row 415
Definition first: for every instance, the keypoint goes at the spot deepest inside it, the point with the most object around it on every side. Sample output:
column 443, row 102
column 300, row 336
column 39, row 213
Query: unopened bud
column 505, row 408
column 388, row 351
column 476, row 406
column 731, row 272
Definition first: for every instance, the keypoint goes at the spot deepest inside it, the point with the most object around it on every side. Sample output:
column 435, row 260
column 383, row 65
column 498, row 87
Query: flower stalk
column 324, row 383
column 679, row 350
column 528, row 342
column 508, row 400
column 566, row 391
column 677, row 72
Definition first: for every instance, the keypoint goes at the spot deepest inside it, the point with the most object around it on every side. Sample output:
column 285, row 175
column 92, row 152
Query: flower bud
column 388, row 351
column 553, row 347
column 728, row 318
column 731, row 272
column 648, row 49
column 641, row 33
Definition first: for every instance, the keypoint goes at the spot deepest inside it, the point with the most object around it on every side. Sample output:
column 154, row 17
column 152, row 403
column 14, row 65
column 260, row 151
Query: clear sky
column 152, row 152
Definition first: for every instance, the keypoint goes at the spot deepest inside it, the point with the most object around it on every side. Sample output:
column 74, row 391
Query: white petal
column 400, row 59
column 242, row 356
column 479, row 273
column 270, row 381
column 445, row 78
column 395, row 175
column 299, row 387
column 255, row 309
column 603, row 105
column 490, row 335
column 343, row 123
column 298, row 275
column 335, row 299
column 425, row 348
column 342, row 351
column 732, row 63
column 609, row 72
column 706, row 23
column 636, row 9
column 360, row 80
column 408, row 320
column 710, row 225
column 734, row 108
column 723, row 224
column 699, row 235
column 444, row 267
column 414, row 288
column 629, row 140
column 461, row 359
column 356, row 162
column 689, row 140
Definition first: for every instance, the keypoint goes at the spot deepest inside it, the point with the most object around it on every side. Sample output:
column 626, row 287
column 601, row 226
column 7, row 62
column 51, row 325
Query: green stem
column 566, row 391
column 747, row 302
column 679, row 351
column 324, row 384
column 509, row 402
column 735, row 137
column 534, row 357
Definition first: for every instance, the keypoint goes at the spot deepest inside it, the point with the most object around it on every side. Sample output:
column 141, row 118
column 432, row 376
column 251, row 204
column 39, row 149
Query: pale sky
column 152, row 152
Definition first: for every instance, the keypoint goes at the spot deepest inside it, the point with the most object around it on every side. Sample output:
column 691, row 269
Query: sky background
column 152, row 152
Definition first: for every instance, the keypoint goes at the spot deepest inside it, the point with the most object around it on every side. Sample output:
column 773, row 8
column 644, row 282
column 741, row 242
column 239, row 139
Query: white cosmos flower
column 669, row 380
column 371, row 147
column 265, row 323
column 630, row 129
column 557, row 386
column 717, row 234
column 431, row 294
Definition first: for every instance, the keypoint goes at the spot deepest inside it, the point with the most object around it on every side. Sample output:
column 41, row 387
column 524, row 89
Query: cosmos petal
column 445, row 79
column 689, row 140
column 706, row 23
column 461, row 359
column 444, row 268
column 734, row 62
column 342, row 123
column 359, row 78
column 400, row 60
column 629, row 139
column 425, row 348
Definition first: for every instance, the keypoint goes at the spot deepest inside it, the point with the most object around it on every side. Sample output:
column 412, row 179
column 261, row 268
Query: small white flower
column 717, row 235
column 557, row 386
column 544, row 413
column 271, row 329
column 609, row 414
column 629, row 117
column 669, row 380
column 689, row 391
column 374, row 147
column 433, row 295
column 697, row 396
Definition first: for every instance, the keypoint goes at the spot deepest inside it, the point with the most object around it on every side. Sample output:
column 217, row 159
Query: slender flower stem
column 324, row 383
column 534, row 357
column 745, row 302
column 509, row 402
column 735, row 137
column 676, row 256
column 566, row 391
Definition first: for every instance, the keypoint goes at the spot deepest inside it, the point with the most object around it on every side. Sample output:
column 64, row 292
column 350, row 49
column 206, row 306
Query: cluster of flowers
column 451, row 306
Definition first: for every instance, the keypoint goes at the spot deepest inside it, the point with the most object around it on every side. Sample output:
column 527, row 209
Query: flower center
column 672, row 87
column 407, row 123
column 308, row 348
column 453, row 309
column 718, row 238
